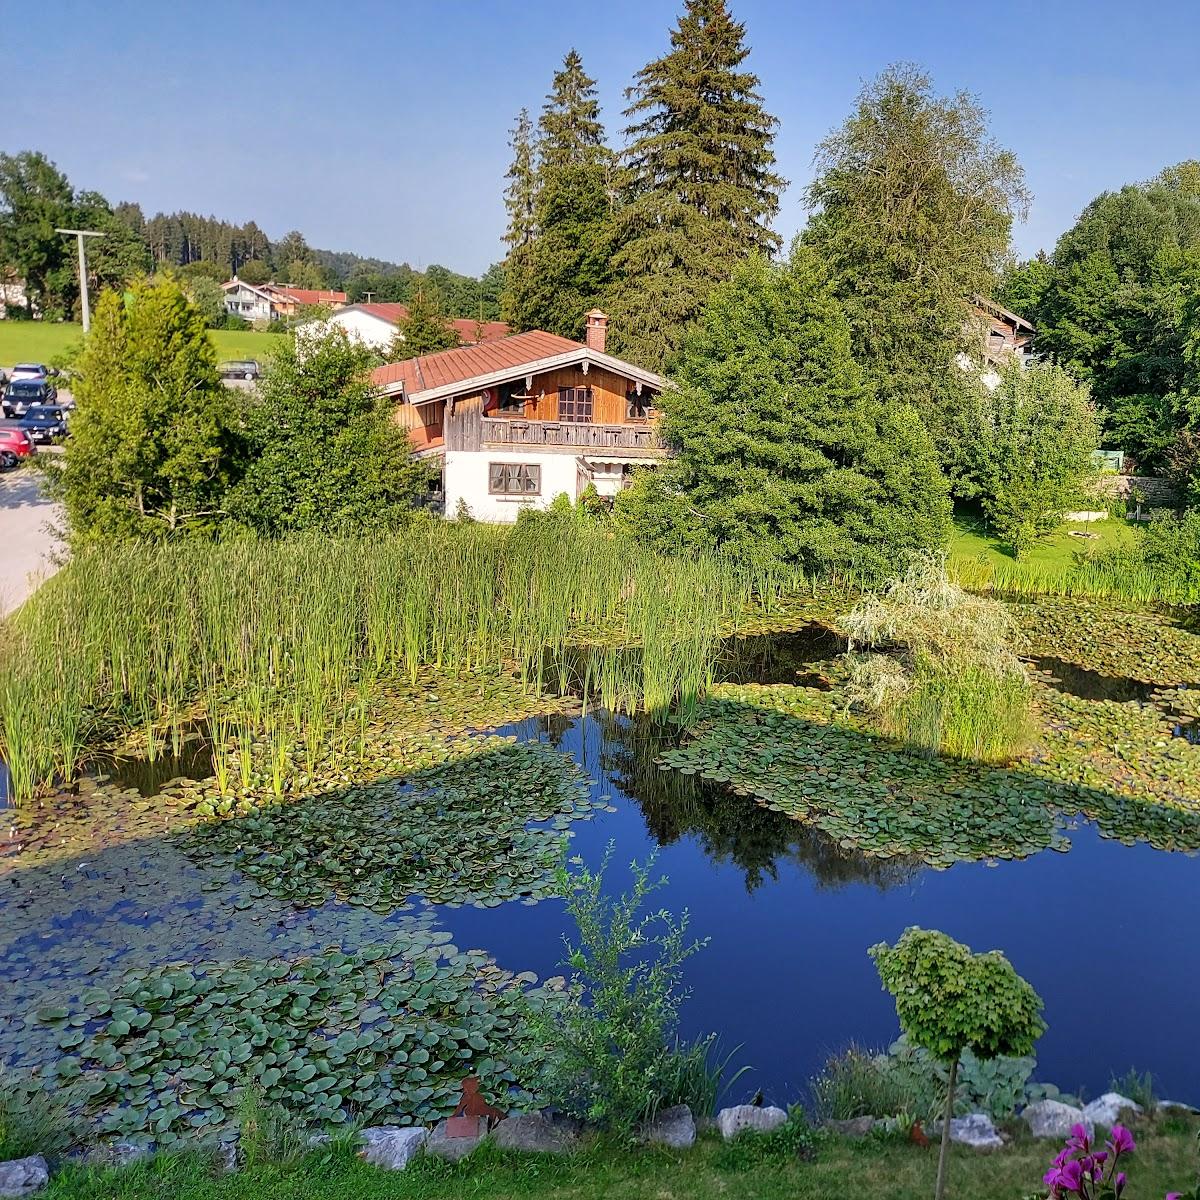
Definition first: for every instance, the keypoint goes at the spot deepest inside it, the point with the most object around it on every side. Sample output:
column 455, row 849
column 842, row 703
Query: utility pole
column 80, row 234
column 368, row 296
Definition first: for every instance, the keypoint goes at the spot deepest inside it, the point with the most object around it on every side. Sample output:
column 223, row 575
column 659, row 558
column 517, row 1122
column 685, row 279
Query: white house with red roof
column 519, row 420
column 273, row 302
column 375, row 325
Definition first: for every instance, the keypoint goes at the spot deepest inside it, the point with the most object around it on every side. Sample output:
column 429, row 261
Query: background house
column 375, row 325
column 274, row 302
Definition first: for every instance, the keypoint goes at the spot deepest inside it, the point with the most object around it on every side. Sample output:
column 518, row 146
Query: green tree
column 206, row 295
column 1023, row 286
column 302, row 273
column 780, row 451
column 255, row 272
column 913, row 204
column 699, row 184
column 289, row 249
column 35, row 200
column 520, row 197
column 562, row 268
column 950, row 1001
column 1032, row 443
column 1115, row 310
column 115, row 259
column 324, row 451
column 425, row 330
column 151, row 451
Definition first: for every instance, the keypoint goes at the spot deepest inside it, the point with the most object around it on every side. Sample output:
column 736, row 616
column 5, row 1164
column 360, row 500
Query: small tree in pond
column 950, row 1000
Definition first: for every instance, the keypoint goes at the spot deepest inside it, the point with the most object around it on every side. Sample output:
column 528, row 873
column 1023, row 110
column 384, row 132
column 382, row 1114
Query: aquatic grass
column 940, row 670
column 280, row 634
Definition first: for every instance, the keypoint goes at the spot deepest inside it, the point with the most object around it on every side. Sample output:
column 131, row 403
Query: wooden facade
column 535, row 421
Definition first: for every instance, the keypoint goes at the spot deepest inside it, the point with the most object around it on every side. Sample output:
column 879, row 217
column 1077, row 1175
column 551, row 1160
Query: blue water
column 1107, row 933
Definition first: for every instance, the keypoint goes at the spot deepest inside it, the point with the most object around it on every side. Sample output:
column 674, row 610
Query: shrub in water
column 941, row 672
column 610, row 1051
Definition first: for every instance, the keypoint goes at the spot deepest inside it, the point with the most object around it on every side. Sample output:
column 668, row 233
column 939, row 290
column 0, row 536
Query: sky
column 382, row 127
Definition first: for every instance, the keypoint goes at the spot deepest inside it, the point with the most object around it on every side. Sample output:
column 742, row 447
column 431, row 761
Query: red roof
column 469, row 332
column 455, row 366
column 307, row 295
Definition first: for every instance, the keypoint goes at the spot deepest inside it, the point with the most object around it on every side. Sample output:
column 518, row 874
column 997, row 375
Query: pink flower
column 1119, row 1184
column 1121, row 1141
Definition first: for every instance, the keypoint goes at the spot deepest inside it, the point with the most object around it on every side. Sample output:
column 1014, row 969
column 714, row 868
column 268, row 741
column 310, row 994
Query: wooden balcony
column 633, row 439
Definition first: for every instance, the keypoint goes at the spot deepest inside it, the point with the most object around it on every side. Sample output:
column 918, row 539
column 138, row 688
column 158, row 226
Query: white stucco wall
column 360, row 326
column 466, row 479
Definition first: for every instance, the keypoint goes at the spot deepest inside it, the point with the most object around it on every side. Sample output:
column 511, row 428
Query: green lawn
column 40, row 341
column 865, row 1170
column 1056, row 553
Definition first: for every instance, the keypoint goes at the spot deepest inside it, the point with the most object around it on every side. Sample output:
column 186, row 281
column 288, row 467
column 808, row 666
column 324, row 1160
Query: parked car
column 45, row 422
column 31, row 371
column 20, row 394
column 242, row 368
column 15, row 445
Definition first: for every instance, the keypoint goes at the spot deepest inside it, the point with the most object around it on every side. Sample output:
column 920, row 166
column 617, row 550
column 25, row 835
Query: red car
column 15, row 444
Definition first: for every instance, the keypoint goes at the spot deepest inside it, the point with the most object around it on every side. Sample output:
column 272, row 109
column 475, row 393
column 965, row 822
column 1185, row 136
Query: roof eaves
column 534, row 366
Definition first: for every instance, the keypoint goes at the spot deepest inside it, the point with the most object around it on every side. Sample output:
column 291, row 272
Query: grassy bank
column 867, row 1170
column 40, row 341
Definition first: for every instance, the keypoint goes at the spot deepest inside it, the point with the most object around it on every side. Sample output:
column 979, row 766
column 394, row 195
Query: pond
column 1105, row 931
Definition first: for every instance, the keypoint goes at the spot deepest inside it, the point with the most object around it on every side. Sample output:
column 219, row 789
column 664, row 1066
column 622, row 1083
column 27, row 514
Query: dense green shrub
column 1168, row 550
column 860, row 1083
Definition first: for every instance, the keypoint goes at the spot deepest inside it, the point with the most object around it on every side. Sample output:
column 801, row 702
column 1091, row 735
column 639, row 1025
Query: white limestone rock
column 739, row 1118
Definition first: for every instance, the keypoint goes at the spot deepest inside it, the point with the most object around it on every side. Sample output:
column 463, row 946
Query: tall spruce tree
column 913, row 207
column 781, row 451
column 565, row 267
column 519, row 197
column 699, row 189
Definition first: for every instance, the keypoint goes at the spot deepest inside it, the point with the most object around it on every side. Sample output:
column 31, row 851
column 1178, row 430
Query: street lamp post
column 80, row 234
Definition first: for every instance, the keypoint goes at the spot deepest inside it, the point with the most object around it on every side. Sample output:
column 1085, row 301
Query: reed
column 277, row 642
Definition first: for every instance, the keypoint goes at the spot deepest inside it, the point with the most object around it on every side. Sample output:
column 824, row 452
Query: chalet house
column 1005, row 337
column 375, row 325
column 522, row 419
column 273, row 302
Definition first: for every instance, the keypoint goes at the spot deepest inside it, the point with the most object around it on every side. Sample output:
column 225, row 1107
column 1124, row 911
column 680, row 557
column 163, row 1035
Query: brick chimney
column 597, row 330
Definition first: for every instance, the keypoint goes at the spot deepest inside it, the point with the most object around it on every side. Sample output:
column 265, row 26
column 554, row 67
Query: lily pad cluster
column 1142, row 644
column 483, row 829
column 385, row 1035
column 791, row 750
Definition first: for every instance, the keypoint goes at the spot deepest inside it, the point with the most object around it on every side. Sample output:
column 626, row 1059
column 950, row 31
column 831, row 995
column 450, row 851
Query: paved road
column 27, row 548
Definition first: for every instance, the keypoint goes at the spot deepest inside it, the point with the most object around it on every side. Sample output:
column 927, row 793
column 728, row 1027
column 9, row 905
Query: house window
column 574, row 404
column 514, row 479
column 639, row 408
column 512, row 397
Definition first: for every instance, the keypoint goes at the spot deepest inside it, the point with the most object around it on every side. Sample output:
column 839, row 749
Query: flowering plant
column 1089, row 1174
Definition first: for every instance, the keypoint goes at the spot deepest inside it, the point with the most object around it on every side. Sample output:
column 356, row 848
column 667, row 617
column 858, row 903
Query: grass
column 1165, row 1160
column 1057, row 553
column 41, row 341
column 264, row 637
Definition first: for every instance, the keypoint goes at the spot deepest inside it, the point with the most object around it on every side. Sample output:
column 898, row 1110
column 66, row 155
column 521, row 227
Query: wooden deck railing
column 511, row 431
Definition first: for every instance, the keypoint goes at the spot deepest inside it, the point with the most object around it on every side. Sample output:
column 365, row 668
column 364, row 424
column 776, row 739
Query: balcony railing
column 511, row 431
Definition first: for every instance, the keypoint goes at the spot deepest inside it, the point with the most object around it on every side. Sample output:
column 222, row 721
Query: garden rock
column 534, row 1132
column 739, row 1118
column 1054, row 1119
column 391, row 1146
column 1176, row 1106
column 450, row 1148
column 1106, row 1110
column 976, row 1130
column 674, row 1127
column 857, row 1127
column 23, row 1176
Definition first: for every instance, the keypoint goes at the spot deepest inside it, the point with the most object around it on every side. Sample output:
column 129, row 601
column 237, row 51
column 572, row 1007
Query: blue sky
column 382, row 127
